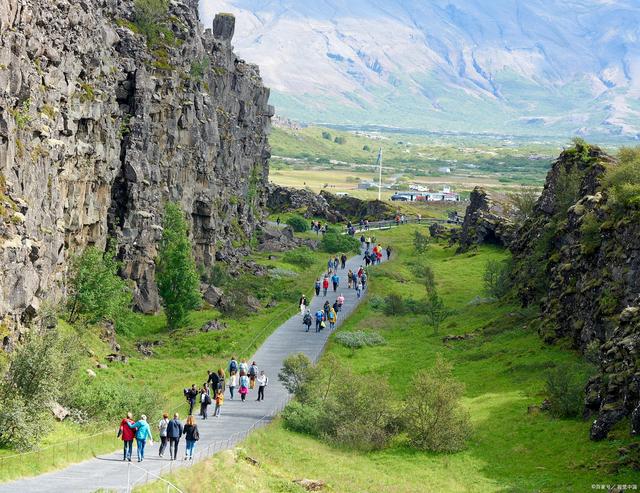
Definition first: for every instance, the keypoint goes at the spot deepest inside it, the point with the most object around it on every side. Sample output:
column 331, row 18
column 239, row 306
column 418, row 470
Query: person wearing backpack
column 205, row 400
column 307, row 320
column 349, row 278
column 343, row 261
column 358, row 289
column 319, row 320
column 303, row 304
column 335, row 280
column 213, row 380
column 162, row 431
column 233, row 365
column 253, row 373
column 263, row 380
column 364, row 281
column 127, row 435
column 243, row 367
column 143, row 433
column 192, row 434
column 233, row 383
column 244, row 385
column 340, row 302
column 174, row 433
column 191, row 395
column 333, row 318
column 318, row 286
column 325, row 285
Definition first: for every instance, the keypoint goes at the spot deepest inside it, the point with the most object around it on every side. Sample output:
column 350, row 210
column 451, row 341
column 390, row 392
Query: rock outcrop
column 487, row 220
column 579, row 258
column 100, row 125
column 326, row 205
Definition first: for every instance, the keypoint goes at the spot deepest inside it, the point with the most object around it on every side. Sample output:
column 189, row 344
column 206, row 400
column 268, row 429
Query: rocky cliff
column 107, row 111
column 579, row 258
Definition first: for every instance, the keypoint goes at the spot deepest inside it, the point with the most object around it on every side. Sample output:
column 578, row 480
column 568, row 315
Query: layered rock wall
column 100, row 126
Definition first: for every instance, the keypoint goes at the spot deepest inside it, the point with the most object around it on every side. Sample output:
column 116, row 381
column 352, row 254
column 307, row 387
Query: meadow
column 515, row 447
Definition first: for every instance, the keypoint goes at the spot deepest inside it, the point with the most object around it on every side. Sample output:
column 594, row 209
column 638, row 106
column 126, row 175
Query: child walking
column 219, row 401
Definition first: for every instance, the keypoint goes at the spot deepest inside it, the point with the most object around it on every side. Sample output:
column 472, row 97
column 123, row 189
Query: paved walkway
column 237, row 420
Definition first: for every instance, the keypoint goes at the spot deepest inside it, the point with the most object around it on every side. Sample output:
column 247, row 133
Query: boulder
column 310, row 484
column 91, row 373
column 213, row 326
column 212, row 294
column 58, row 411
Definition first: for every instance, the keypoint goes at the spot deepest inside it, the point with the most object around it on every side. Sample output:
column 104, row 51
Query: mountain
column 531, row 67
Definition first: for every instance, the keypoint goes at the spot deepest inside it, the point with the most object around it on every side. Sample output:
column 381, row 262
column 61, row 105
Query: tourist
column 174, row 432
column 397, row 220
column 318, row 286
column 336, row 263
column 143, row 433
column 278, row 221
column 303, row 304
column 219, row 401
column 244, row 367
column 221, row 380
column 358, row 289
column 363, row 280
column 388, row 252
column 335, row 280
column 233, row 383
column 192, row 435
column 162, row 431
column 326, row 309
column 263, row 380
column 362, row 240
column 419, row 218
column 367, row 259
column 325, row 285
column 333, row 318
column 330, row 265
column 253, row 374
column 340, row 302
column 244, row 385
column 306, row 320
column 127, row 435
column 233, row 365
column 343, row 261
column 191, row 395
column 319, row 320
column 205, row 400
column 213, row 380
column 368, row 242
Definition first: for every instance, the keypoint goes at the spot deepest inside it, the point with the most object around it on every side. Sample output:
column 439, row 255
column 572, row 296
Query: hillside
column 537, row 67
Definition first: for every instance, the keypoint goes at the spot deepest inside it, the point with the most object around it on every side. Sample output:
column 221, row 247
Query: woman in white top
column 162, row 428
column 262, row 383
column 232, row 383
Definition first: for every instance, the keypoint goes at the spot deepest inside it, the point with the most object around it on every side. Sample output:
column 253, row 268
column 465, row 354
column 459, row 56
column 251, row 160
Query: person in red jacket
column 127, row 434
column 325, row 285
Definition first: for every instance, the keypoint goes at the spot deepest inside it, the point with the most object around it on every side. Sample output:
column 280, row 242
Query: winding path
column 237, row 420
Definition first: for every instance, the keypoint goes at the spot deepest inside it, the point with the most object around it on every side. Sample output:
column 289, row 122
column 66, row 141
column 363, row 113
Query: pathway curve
column 237, row 420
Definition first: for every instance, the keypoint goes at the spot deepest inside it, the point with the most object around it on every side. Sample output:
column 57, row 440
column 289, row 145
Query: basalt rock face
column 579, row 258
column 356, row 209
column 98, row 129
column 486, row 220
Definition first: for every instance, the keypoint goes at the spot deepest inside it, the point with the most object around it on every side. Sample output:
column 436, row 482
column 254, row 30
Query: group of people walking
column 242, row 376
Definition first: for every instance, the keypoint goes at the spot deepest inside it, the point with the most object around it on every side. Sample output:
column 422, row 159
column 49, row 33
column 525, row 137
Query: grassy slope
column 181, row 360
column 504, row 372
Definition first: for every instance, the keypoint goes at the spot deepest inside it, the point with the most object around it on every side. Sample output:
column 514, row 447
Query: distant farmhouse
column 445, row 195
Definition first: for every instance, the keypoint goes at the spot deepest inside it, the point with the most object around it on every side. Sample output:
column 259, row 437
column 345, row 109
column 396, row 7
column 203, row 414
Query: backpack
column 252, row 371
column 233, row 366
column 207, row 399
column 307, row 319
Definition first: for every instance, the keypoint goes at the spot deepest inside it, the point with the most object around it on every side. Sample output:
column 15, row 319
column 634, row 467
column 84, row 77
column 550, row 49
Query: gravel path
column 237, row 419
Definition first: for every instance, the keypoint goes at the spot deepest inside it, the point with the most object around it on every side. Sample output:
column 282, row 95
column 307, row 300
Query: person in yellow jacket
column 219, row 402
column 333, row 318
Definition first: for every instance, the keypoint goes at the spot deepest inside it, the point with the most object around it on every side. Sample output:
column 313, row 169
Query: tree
column 296, row 370
column 326, row 136
column 176, row 272
column 95, row 289
column 420, row 242
column 298, row 223
column 524, row 200
column 433, row 417
column 425, row 273
column 497, row 278
column 436, row 311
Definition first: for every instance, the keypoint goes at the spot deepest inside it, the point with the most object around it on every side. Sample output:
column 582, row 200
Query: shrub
column 497, row 278
column 95, row 289
column 296, row 370
column 358, row 339
column 623, row 180
column 436, row 311
column 433, row 417
column 178, row 282
column 298, row 223
column 335, row 242
column 394, row 305
column 38, row 369
column 590, row 238
column 565, row 389
column 425, row 274
column 420, row 242
column 524, row 200
column 149, row 18
column 302, row 418
column 301, row 256
column 327, row 136
column 340, row 140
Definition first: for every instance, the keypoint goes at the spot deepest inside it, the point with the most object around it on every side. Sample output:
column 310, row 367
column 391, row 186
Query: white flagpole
column 380, row 174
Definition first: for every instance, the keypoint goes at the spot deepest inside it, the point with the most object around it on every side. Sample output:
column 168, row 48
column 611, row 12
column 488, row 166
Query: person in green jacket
column 143, row 433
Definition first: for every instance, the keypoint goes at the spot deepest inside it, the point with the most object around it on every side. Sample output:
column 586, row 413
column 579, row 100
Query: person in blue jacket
column 335, row 280
column 143, row 433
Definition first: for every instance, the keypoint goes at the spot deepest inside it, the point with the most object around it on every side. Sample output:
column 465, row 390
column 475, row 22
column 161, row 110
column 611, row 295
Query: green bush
column 394, row 305
column 420, row 242
column 434, row 419
column 95, row 289
column 359, row 338
column 497, row 278
column 302, row 418
column 301, row 256
column 590, row 238
column 40, row 369
column 297, row 369
column 298, row 223
column 623, row 180
column 107, row 401
column 565, row 389
column 176, row 274
column 150, row 17
column 335, row 242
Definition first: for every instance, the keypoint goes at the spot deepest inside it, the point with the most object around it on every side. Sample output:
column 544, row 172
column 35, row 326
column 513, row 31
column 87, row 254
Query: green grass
column 503, row 368
column 181, row 359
